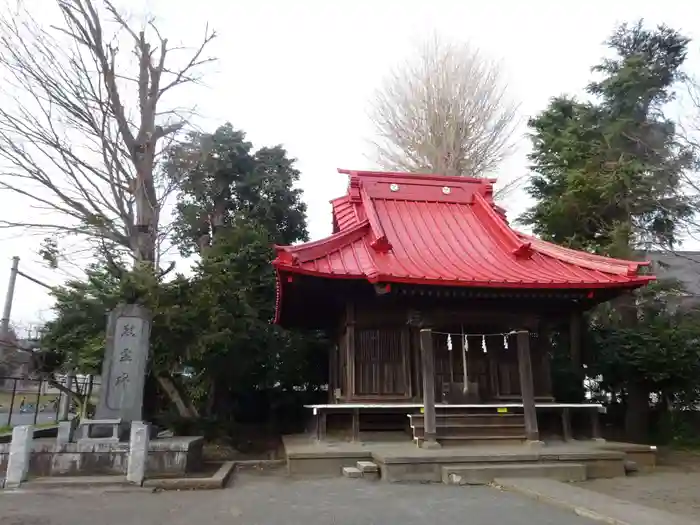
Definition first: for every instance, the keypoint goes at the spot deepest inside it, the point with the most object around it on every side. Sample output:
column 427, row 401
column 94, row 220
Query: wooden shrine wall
column 377, row 358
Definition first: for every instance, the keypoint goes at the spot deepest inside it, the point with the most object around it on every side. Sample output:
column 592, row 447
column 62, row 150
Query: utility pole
column 9, row 297
column 5, row 322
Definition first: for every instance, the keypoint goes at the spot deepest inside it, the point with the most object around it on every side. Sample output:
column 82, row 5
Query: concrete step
column 76, row 482
column 485, row 473
column 369, row 469
column 352, row 472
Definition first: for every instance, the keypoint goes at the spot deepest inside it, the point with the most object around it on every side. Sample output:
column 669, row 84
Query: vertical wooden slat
column 406, row 359
column 342, row 364
column 382, row 366
column 350, row 338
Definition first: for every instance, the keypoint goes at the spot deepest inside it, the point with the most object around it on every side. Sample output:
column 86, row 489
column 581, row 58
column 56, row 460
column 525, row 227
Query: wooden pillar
column 595, row 426
column 566, row 425
column 428, row 369
column 350, row 352
column 414, row 337
column 355, row 424
column 532, row 432
column 321, row 426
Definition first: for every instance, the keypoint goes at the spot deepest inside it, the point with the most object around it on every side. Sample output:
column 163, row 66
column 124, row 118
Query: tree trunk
column 186, row 410
column 147, row 217
column 211, row 400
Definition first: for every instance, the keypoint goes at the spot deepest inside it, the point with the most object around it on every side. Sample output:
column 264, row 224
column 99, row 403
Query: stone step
column 631, row 467
column 369, row 469
column 454, row 441
column 483, row 474
column 352, row 472
column 463, row 430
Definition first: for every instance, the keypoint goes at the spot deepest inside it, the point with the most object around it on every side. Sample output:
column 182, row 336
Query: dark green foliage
column 75, row 338
column 240, row 350
column 608, row 173
column 223, row 181
column 77, row 334
column 212, row 331
column 567, row 379
column 608, row 178
column 662, row 351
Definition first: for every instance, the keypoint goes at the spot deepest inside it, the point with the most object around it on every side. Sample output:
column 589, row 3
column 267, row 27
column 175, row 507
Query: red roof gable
column 437, row 230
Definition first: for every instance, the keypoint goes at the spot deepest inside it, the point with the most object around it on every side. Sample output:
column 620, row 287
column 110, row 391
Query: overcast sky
column 300, row 73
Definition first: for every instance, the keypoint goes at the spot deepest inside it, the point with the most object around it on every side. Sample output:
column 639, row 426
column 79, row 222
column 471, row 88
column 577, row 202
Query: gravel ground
column 674, row 486
column 256, row 499
column 677, row 492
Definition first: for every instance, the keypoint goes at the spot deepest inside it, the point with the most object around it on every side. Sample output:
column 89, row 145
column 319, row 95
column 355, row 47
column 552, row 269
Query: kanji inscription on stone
column 126, row 366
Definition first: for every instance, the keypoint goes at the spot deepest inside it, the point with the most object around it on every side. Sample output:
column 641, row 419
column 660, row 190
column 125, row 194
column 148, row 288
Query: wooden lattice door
column 382, row 363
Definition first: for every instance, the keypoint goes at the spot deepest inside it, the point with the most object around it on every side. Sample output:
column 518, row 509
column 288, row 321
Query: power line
column 34, row 280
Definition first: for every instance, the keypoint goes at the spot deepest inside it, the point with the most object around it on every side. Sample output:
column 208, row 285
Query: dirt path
column 674, row 486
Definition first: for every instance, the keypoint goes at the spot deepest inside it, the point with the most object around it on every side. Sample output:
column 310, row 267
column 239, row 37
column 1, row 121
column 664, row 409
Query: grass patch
column 7, row 429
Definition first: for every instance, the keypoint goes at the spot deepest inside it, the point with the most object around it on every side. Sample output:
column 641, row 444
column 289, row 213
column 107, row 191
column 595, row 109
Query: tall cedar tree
column 221, row 181
column 607, row 173
column 235, row 203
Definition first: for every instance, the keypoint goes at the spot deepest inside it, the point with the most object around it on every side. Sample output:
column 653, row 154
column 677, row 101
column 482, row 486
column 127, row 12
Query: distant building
column 681, row 266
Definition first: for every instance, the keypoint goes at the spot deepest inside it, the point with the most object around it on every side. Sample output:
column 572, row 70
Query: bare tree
column 82, row 124
column 444, row 111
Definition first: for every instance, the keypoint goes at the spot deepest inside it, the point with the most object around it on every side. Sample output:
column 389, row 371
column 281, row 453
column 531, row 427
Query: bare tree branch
column 445, row 111
column 68, row 143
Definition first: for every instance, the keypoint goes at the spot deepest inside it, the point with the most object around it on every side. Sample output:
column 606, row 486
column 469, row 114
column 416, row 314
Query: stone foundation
column 166, row 457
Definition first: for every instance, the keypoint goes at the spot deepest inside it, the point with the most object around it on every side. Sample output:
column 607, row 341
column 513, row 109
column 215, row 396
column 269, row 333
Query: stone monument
column 124, row 365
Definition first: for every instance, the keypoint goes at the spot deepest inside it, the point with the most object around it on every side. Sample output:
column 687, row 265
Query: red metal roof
column 436, row 230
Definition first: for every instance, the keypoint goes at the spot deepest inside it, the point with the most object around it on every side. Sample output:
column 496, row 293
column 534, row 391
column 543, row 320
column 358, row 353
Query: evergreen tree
column 607, row 178
column 607, row 173
column 222, row 180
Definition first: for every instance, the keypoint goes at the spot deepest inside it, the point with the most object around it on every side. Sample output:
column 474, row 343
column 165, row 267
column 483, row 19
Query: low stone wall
column 166, row 457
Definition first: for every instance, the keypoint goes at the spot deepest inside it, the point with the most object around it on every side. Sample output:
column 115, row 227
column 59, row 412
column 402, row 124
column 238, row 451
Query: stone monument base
column 173, row 456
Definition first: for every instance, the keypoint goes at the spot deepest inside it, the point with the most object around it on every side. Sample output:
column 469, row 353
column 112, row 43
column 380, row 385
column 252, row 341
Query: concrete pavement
column 258, row 499
column 594, row 505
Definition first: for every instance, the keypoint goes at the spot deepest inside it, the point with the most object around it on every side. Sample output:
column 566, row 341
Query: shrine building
column 440, row 311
